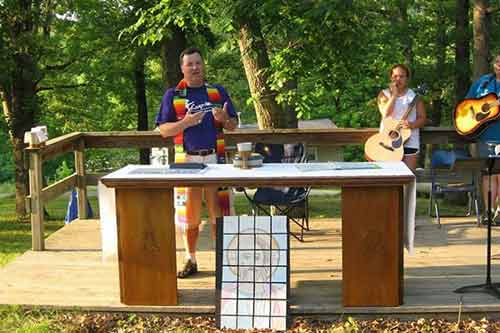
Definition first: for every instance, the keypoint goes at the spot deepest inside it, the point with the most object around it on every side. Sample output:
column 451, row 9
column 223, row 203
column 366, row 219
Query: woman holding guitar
column 394, row 102
column 486, row 84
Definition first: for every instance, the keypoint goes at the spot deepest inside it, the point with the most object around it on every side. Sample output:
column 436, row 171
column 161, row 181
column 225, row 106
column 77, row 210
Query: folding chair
column 445, row 179
column 289, row 201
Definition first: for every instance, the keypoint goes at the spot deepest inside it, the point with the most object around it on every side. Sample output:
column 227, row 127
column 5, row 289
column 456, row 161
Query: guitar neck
column 407, row 112
column 410, row 107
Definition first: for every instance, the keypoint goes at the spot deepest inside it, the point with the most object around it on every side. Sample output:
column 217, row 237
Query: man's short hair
column 188, row 51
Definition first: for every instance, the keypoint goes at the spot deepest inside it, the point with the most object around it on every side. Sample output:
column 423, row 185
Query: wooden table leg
column 372, row 246
column 146, row 246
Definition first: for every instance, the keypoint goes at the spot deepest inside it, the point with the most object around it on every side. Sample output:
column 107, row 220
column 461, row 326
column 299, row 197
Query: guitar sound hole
column 394, row 135
column 480, row 116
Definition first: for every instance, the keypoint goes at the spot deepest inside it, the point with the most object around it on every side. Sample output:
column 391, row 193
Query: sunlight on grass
column 16, row 319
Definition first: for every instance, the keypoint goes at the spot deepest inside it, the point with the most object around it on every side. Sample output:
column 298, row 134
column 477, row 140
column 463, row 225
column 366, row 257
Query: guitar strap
column 487, row 82
column 180, row 193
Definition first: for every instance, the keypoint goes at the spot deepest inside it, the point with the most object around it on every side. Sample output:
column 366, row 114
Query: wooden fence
column 79, row 142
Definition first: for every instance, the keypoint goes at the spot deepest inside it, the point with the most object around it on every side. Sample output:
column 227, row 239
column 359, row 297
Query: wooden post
column 81, row 183
column 36, row 203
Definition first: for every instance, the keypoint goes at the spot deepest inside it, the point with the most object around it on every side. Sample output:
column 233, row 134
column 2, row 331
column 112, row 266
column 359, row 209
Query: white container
column 107, row 214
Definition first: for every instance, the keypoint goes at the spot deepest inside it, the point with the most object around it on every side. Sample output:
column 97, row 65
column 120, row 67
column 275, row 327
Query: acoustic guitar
column 388, row 144
column 472, row 115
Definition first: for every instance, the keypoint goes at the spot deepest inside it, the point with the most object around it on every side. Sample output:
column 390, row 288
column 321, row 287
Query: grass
column 16, row 319
column 19, row 320
column 327, row 204
column 15, row 238
column 7, row 189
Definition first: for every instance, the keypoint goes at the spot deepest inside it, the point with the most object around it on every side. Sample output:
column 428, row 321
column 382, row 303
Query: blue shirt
column 204, row 135
column 484, row 85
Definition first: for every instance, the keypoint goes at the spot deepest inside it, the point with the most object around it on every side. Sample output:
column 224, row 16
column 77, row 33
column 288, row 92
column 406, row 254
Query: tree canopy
column 91, row 65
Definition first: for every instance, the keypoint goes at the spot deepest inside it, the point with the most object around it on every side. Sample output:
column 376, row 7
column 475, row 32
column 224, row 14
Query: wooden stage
column 72, row 275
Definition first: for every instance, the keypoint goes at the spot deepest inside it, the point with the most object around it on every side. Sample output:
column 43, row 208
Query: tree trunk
column 481, row 38
column 171, row 48
column 405, row 34
column 289, row 107
column 140, row 99
column 462, row 72
column 256, row 63
column 20, row 106
column 436, row 105
column 435, row 114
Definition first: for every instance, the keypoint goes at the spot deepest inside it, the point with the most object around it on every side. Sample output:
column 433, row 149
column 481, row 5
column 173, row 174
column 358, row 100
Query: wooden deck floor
column 72, row 274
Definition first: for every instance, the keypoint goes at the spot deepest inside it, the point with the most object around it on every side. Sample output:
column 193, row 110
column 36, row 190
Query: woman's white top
column 400, row 106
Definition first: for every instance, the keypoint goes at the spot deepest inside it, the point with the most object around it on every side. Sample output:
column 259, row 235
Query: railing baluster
column 36, row 202
column 81, row 183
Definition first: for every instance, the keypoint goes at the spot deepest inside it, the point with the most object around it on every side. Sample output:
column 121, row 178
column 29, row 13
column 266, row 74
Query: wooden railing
column 79, row 142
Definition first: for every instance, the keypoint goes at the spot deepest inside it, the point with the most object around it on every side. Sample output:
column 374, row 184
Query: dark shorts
column 410, row 151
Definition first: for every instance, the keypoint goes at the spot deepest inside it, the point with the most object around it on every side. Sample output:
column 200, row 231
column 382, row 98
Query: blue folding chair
column 289, row 201
column 445, row 180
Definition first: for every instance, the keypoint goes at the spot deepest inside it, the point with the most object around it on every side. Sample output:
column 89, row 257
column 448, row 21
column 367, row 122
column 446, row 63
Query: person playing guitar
column 486, row 84
column 394, row 101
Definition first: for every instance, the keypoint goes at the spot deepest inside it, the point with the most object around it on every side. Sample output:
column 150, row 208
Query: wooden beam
column 58, row 146
column 128, row 139
column 337, row 136
column 36, row 185
column 58, row 188
column 442, row 135
column 334, row 136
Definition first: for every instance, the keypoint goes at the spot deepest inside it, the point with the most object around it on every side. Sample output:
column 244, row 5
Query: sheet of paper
column 309, row 167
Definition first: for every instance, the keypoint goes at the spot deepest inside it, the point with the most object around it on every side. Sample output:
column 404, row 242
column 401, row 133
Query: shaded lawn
column 15, row 237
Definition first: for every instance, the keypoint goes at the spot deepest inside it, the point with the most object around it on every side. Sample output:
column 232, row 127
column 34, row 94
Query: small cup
column 244, row 146
column 245, row 151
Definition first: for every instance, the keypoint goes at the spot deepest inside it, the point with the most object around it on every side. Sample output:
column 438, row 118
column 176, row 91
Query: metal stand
column 487, row 287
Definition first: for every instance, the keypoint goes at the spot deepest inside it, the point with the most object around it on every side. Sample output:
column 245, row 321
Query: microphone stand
column 487, row 287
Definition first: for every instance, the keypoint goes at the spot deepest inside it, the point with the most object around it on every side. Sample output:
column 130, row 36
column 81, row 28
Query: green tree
column 25, row 28
column 482, row 31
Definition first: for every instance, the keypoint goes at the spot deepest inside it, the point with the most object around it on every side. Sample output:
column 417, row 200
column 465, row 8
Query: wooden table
column 372, row 225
